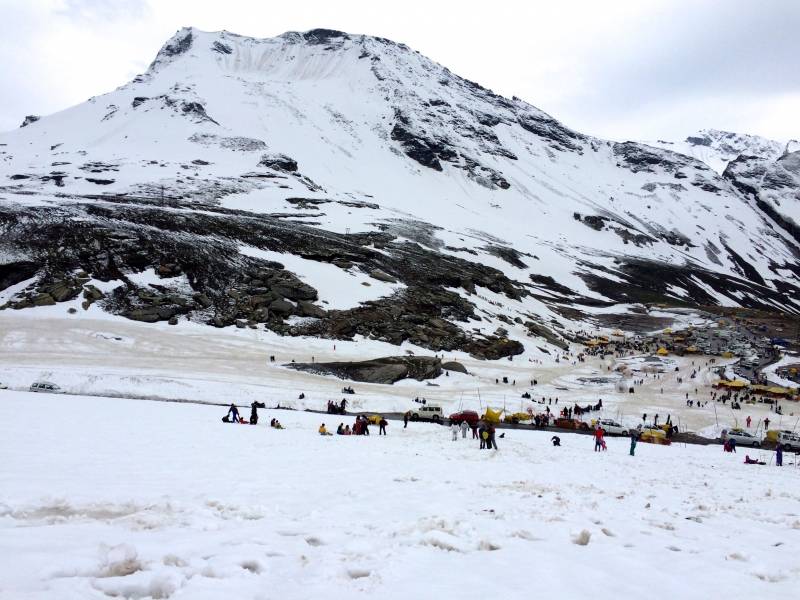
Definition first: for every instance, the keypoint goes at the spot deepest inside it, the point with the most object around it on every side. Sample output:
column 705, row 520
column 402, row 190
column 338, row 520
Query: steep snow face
column 774, row 184
column 717, row 148
column 351, row 133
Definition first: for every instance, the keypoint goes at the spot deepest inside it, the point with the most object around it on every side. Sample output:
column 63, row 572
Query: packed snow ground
column 105, row 497
column 95, row 353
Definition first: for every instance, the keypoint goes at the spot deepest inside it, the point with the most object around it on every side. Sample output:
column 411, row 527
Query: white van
column 427, row 412
column 789, row 440
column 46, row 386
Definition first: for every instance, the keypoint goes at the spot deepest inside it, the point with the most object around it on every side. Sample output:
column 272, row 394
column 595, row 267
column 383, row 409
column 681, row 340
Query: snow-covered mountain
column 718, row 148
column 331, row 184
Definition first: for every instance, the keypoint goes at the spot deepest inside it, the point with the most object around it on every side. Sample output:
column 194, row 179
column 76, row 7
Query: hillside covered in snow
column 336, row 185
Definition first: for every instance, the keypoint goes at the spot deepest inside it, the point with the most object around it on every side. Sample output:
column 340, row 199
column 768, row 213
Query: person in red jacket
column 598, row 439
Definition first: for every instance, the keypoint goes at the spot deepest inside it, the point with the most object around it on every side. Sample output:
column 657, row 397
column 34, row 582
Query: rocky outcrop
column 454, row 366
column 380, row 370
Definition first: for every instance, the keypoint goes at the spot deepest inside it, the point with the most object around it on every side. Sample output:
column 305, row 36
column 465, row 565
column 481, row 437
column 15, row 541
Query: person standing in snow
column 779, row 455
column 464, row 428
column 491, row 442
column 254, row 413
column 405, row 419
column 748, row 421
column 598, row 439
column 382, row 426
column 454, row 430
column 766, row 424
column 233, row 414
column 634, row 441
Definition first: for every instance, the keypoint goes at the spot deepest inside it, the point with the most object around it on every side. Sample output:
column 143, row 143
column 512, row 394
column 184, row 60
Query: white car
column 46, row 386
column 789, row 440
column 3, row 386
column 427, row 412
column 612, row 427
column 742, row 438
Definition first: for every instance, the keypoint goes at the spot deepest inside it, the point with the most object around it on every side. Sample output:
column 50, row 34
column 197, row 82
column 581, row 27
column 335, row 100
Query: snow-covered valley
column 119, row 498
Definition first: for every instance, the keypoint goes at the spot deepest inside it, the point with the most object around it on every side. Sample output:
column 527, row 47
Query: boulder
column 278, row 161
column 151, row 314
column 455, row 366
column 203, row 300
column 380, row 370
column 494, row 348
column 294, row 290
column 307, row 309
column 381, row 276
column 62, row 291
column 43, row 299
column 281, row 307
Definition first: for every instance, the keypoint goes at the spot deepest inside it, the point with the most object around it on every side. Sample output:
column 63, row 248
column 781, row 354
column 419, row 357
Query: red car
column 470, row 416
column 563, row 423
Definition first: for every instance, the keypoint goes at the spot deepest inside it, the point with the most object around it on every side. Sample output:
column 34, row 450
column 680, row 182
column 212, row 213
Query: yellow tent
column 727, row 354
column 491, row 415
column 779, row 391
column 662, row 351
column 738, row 383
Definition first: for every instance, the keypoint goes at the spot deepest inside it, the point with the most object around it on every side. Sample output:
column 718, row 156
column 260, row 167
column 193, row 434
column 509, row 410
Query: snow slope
column 167, row 502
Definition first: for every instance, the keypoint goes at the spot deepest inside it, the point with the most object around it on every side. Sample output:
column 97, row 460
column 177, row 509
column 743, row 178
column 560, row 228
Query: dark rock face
column 206, row 279
column 178, row 46
column 221, row 48
column 638, row 158
column 380, row 370
column 16, row 272
column 30, row 119
column 548, row 128
column 324, row 36
column 426, row 152
column 278, row 161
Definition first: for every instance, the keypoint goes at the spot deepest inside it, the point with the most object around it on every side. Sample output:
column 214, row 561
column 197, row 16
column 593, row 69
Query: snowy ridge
column 718, row 148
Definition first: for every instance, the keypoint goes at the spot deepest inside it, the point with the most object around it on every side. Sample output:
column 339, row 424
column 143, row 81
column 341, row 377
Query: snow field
column 117, row 498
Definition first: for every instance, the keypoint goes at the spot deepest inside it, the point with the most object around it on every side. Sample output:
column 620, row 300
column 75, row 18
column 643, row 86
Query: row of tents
column 773, row 391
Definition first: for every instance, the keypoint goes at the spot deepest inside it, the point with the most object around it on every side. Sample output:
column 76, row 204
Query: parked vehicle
column 3, row 386
column 612, row 427
column 742, row 437
column 517, row 417
column 565, row 423
column 789, row 440
column 427, row 413
column 470, row 416
column 45, row 386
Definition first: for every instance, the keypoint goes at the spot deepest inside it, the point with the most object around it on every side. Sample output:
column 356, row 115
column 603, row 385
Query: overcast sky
column 620, row 69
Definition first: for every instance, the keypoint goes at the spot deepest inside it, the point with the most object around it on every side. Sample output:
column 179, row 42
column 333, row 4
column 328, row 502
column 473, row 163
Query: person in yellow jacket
column 323, row 430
